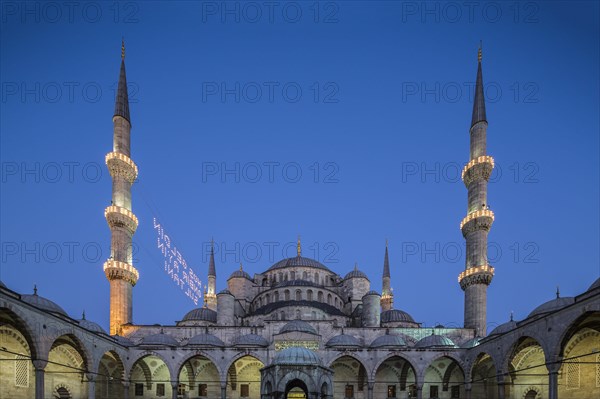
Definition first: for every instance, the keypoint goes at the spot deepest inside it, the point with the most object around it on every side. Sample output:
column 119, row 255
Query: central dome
column 298, row 261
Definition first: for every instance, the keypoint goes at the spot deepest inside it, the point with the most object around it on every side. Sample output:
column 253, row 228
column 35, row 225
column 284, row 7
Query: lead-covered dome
column 240, row 273
column 43, row 303
column 473, row 342
column 504, row 327
column 298, row 261
column 298, row 326
column 596, row 284
column 356, row 274
column 297, row 356
column 388, row 341
column 91, row 326
column 552, row 306
column 251, row 340
column 200, row 314
column 396, row 315
column 343, row 341
column 435, row 341
column 205, row 340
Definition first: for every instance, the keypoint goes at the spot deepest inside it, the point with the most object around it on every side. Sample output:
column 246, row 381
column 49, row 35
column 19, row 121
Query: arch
column 295, row 384
column 16, row 317
column 296, row 374
column 393, row 370
column 276, row 296
column 239, row 368
column 531, row 393
column 348, row 369
column 589, row 319
column 67, row 336
column 309, row 295
column 320, row 296
column 140, row 358
column 446, row 369
column 110, row 375
column 62, row 391
column 199, row 370
column 483, row 376
column 298, row 295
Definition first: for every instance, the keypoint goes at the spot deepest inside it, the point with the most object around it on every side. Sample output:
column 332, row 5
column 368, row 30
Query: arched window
column 320, row 296
column 276, row 296
column 285, row 277
column 282, row 314
column 292, row 275
column 267, row 299
column 304, row 275
column 280, row 277
column 287, row 295
column 259, row 302
column 329, row 299
column 314, row 315
column 336, row 302
column 531, row 394
column 316, row 278
column 298, row 295
column 298, row 314
column 309, row 295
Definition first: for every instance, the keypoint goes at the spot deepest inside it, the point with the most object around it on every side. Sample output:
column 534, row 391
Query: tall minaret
column 476, row 225
column 210, row 296
column 121, row 220
column 387, row 296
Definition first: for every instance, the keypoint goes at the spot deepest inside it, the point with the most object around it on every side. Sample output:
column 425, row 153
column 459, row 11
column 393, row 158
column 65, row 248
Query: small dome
column 395, row 315
column 122, row 340
column 240, row 273
column 595, row 285
column 2, row 285
column 251, row 340
column 298, row 326
column 91, row 326
column 298, row 261
column 43, row 303
column 201, row 314
column 225, row 292
column 355, row 274
column 205, row 340
column 161, row 339
column 435, row 341
column 297, row 356
column 471, row 343
column 372, row 292
column 343, row 340
column 386, row 341
column 552, row 306
column 504, row 327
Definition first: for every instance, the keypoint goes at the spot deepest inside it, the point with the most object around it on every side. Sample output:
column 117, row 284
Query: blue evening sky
column 370, row 101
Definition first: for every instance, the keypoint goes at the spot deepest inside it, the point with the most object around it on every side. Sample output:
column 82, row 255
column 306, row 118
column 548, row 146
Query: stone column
column 40, row 366
column 91, row 381
column 553, row 369
column 370, row 386
column 501, row 387
column 468, row 390
column 125, row 389
column 419, row 391
column 174, row 385
column 223, row 391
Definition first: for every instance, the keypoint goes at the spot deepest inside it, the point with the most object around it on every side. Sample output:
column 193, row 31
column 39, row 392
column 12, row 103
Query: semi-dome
column 298, row 326
column 298, row 261
column 552, row 306
column 388, row 341
column 435, row 341
column 504, row 327
column 205, row 340
column 343, row 340
column 201, row 314
column 356, row 274
column 43, row 303
column 161, row 339
column 473, row 342
column 251, row 340
column 595, row 285
column 396, row 315
column 297, row 356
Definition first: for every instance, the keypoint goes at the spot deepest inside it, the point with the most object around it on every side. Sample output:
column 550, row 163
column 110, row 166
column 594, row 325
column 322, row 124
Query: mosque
column 298, row 330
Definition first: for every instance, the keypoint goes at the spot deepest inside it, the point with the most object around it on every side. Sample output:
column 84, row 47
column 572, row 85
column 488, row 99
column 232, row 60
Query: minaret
column 121, row 220
column 387, row 296
column 210, row 297
column 476, row 225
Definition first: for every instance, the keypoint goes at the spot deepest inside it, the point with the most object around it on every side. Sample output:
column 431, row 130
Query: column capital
column 91, row 377
column 39, row 364
column 554, row 367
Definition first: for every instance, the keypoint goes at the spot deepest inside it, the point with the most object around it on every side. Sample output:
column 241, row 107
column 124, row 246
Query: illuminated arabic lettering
column 175, row 265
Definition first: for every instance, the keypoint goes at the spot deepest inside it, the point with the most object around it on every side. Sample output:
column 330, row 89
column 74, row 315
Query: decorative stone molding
column 120, row 165
column 120, row 270
column 117, row 216
column 477, row 220
column 479, row 168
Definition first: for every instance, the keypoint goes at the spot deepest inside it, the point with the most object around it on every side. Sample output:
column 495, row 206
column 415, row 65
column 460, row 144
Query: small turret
column 371, row 315
column 225, row 308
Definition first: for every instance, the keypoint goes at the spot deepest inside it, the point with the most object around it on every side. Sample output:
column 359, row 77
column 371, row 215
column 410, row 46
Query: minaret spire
column 387, row 296
column 475, row 227
column 123, row 223
column 299, row 247
column 210, row 293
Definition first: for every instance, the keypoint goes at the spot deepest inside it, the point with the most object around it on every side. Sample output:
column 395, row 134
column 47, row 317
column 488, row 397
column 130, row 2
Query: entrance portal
column 296, row 389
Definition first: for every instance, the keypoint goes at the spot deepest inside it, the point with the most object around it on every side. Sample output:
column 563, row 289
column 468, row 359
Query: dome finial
column 35, row 289
column 122, row 48
column 511, row 315
column 557, row 292
column 83, row 315
column 299, row 247
column 241, row 267
column 355, row 266
column 479, row 52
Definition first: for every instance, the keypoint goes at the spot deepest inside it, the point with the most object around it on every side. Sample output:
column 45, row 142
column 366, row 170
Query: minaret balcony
column 121, row 165
column 117, row 216
column 476, row 275
column 479, row 168
column 117, row 270
column 477, row 220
